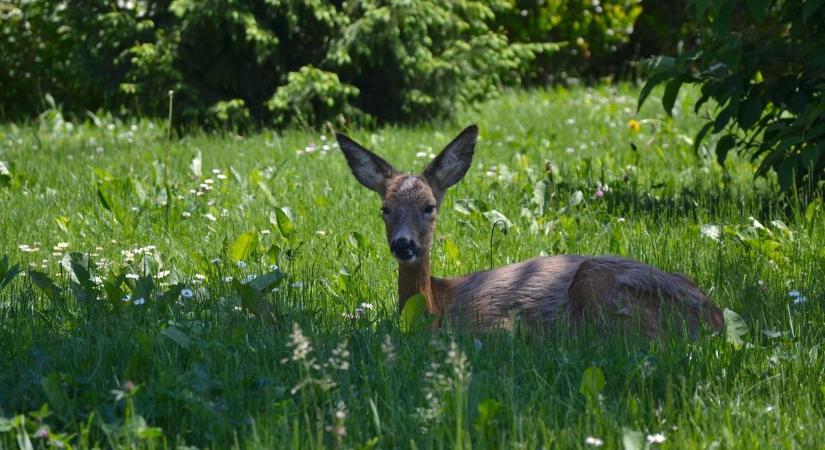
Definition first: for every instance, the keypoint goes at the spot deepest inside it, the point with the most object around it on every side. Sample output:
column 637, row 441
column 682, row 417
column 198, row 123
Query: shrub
column 235, row 62
column 764, row 66
column 592, row 30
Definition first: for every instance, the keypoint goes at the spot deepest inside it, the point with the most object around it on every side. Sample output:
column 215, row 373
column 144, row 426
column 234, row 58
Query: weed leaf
column 414, row 314
column 735, row 328
column 243, row 246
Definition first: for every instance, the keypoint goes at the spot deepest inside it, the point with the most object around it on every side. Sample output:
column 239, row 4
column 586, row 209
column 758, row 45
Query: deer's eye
column 385, row 211
column 429, row 209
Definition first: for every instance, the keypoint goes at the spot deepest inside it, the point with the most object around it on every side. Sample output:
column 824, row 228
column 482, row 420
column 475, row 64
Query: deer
column 610, row 290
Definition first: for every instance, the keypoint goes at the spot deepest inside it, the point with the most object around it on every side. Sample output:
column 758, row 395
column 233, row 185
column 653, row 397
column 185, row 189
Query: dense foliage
column 274, row 61
column 593, row 30
column 764, row 66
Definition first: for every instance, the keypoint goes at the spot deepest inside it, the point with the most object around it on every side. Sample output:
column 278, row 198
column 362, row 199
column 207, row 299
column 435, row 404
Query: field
column 225, row 291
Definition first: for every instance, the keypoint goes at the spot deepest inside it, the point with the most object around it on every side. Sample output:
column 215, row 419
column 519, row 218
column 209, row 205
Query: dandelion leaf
column 735, row 328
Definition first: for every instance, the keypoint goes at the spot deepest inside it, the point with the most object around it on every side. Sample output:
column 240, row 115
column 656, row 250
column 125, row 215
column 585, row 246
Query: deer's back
column 617, row 290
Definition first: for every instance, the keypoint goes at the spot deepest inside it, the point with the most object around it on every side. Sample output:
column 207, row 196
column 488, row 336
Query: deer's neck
column 415, row 279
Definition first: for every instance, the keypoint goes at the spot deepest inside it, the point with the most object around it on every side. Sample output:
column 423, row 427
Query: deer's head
column 410, row 203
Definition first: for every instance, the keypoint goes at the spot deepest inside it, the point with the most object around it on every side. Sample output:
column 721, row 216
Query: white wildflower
column 657, row 438
column 139, row 301
column 187, row 293
column 594, row 441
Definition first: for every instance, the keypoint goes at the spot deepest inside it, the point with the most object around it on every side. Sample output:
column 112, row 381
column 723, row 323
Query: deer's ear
column 452, row 163
column 369, row 169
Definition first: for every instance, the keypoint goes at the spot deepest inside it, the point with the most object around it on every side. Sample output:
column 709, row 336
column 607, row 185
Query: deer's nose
column 404, row 248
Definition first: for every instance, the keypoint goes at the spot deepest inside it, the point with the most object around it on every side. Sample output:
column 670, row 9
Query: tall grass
column 185, row 333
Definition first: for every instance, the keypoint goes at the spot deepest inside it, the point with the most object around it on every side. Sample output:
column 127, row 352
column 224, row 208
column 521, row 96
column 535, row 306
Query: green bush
column 231, row 63
column 592, row 30
column 764, row 66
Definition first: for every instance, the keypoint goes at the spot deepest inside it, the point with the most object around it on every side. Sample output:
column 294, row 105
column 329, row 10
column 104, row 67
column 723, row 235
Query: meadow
column 236, row 291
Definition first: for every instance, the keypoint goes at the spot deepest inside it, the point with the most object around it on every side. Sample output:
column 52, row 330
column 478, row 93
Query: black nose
column 404, row 248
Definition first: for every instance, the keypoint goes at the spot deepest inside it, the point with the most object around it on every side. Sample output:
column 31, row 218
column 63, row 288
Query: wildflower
column 310, row 148
column 366, row 306
column 241, row 265
column 301, row 347
column 798, row 298
column 227, row 279
column 599, row 193
column 388, row 348
column 42, row 432
column 200, row 276
column 657, row 438
column 210, row 217
column 132, row 276
column 220, row 176
column 634, row 125
column 338, row 430
column 594, row 441
column 621, row 220
column 187, row 293
column 164, row 273
column 139, row 301
column 711, row 231
column 297, row 285
column 273, row 267
column 186, row 214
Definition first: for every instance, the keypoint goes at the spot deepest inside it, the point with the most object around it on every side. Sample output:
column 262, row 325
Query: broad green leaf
column 414, row 314
column 177, row 336
column 724, row 145
column 264, row 283
column 144, row 288
column 788, row 172
column 722, row 12
column 651, row 83
column 53, row 388
column 700, row 7
column 45, row 283
column 735, row 328
column 576, row 198
column 749, row 112
column 7, row 273
column 284, row 221
column 495, row 216
column 592, row 382
column 252, row 300
column 633, row 439
column 700, row 136
column 244, row 246
column 669, row 97
column 810, row 7
column 759, row 9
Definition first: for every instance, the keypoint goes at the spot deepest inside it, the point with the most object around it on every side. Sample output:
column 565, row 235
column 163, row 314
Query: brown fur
column 613, row 292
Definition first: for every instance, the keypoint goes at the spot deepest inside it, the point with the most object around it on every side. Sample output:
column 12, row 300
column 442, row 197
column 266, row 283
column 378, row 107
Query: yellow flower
column 634, row 125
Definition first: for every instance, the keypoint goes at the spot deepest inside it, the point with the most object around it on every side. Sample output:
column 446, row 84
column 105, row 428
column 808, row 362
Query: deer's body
column 615, row 291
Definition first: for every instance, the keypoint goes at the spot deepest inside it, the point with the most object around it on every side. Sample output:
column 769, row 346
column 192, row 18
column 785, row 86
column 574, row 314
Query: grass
column 232, row 367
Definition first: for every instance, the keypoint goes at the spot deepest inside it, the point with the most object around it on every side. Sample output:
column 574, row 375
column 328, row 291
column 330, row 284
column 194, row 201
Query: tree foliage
column 271, row 61
column 763, row 64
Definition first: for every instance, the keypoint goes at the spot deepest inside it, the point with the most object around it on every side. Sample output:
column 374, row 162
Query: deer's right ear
column 369, row 169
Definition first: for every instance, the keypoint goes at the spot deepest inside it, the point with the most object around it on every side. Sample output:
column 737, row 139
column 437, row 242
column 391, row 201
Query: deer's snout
column 404, row 249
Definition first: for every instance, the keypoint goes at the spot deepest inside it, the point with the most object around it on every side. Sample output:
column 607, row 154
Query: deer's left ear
column 452, row 163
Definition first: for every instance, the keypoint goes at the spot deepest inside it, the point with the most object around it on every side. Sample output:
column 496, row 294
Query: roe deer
column 539, row 290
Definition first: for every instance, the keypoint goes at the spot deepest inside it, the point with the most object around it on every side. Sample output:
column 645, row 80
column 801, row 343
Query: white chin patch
column 410, row 260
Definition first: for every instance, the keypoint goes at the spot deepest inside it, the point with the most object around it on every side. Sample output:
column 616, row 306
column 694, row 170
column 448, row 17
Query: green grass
column 218, row 371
